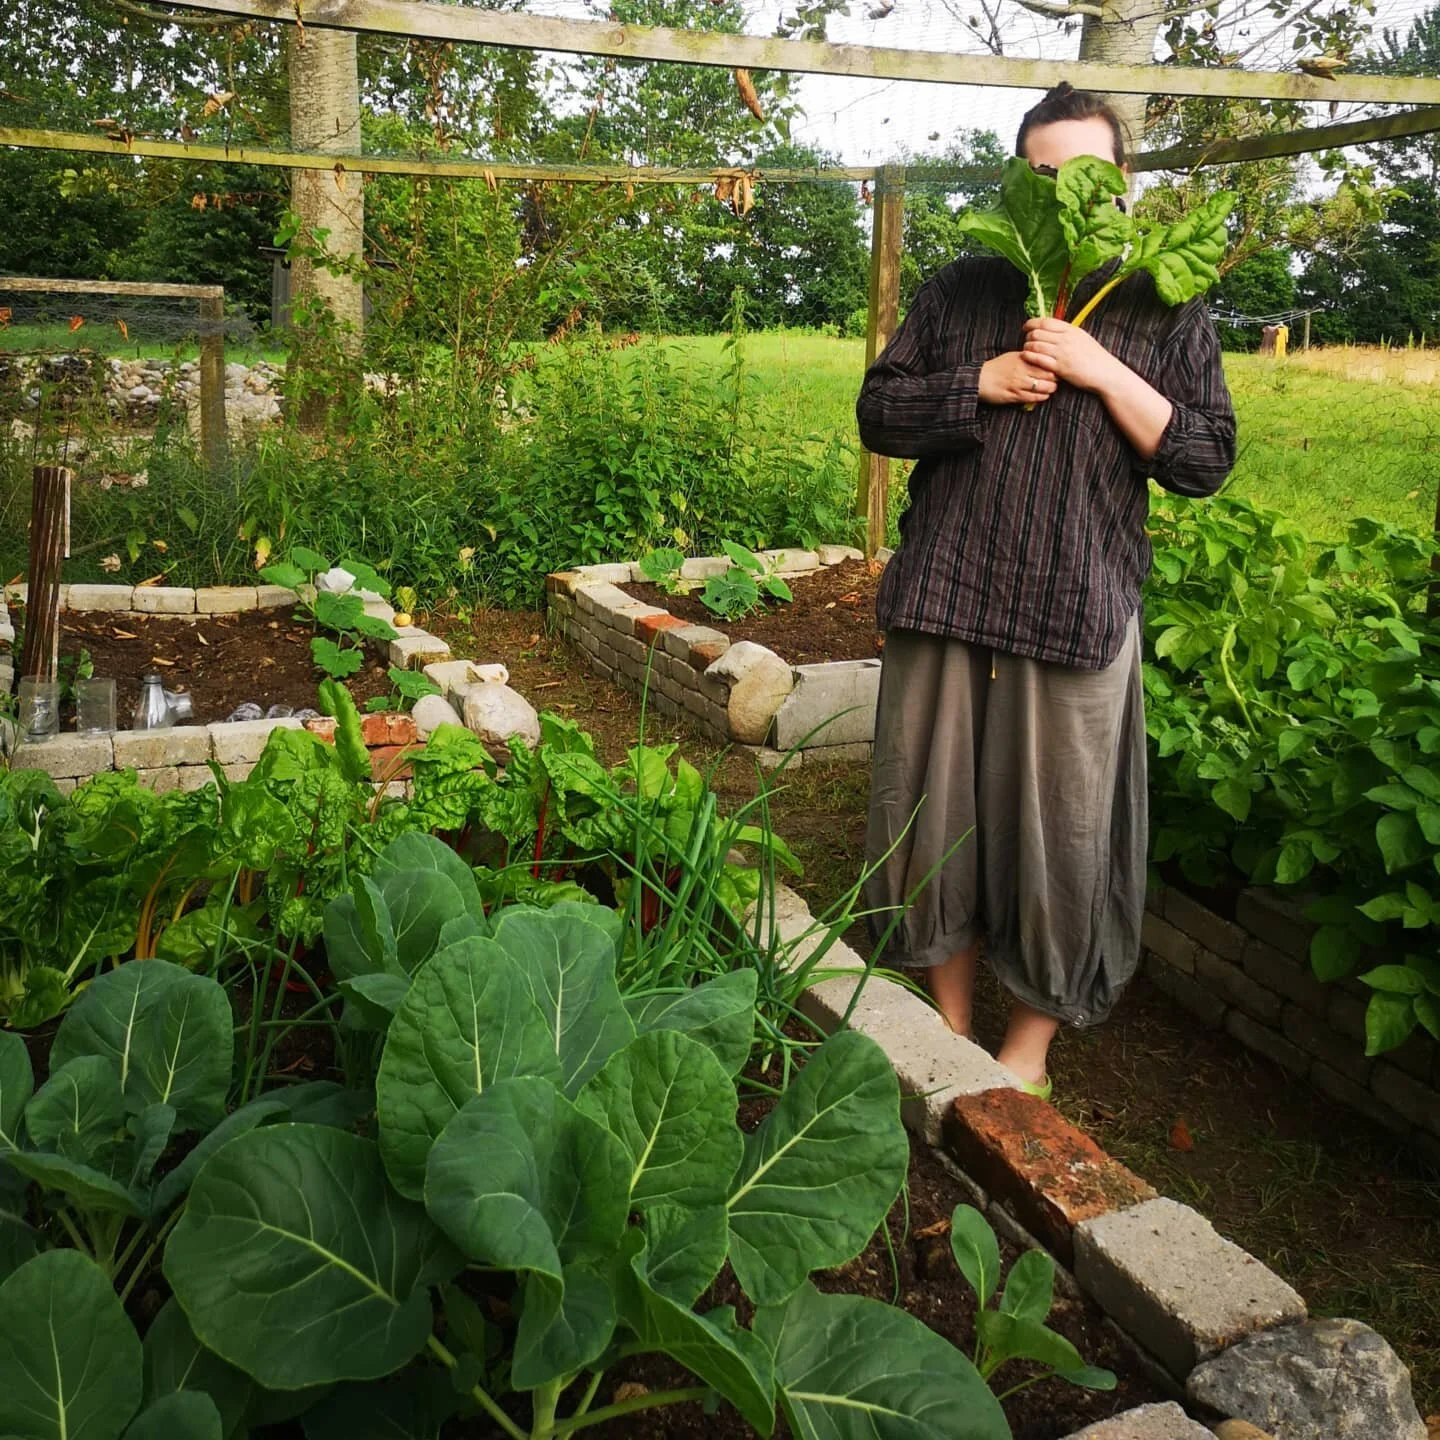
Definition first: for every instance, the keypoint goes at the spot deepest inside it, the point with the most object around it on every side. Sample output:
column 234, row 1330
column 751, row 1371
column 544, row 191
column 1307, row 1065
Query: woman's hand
column 1013, row 379
column 1070, row 354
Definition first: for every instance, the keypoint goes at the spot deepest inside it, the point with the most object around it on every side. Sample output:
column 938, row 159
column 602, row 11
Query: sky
column 865, row 122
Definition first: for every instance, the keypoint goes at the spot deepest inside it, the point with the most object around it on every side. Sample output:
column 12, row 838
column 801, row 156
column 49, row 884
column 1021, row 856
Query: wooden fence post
column 886, row 242
column 49, row 544
column 213, row 444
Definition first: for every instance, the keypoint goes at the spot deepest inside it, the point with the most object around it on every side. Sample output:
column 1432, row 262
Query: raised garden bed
column 815, row 695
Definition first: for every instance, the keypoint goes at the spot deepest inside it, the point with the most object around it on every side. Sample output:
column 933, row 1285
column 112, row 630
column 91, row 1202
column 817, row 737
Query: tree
column 932, row 209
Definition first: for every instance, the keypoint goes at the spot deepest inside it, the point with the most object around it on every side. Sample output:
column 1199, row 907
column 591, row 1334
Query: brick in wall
column 1190, row 917
column 1264, row 1041
column 1405, row 1095
column 1229, row 980
column 1315, row 1037
column 1279, row 922
column 1286, row 976
column 1200, row 1002
column 1329, row 1081
column 1164, row 940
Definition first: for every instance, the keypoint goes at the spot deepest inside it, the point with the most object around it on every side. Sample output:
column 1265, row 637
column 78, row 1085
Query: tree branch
column 160, row 17
column 1056, row 10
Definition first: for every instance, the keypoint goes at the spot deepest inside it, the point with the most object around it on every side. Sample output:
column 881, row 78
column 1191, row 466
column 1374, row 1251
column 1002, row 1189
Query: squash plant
column 515, row 1081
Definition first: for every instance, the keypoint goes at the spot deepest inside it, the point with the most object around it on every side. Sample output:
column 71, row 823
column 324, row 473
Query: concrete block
column 163, row 600
column 1228, row 979
column 1171, row 945
column 858, row 754
column 770, row 759
column 1407, row 1096
column 66, row 756
column 1264, row 1041
column 100, row 597
column 225, row 599
column 1277, row 921
column 274, row 597
column 1165, row 1421
column 1206, row 1006
column 1171, row 1281
column 933, row 1064
column 193, row 777
column 1155, row 900
column 1346, row 1013
column 680, row 641
column 1220, row 937
column 1418, row 1056
column 155, row 749
column 240, row 770
column 622, row 618
column 837, row 554
column 564, row 582
column 790, row 562
column 1286, row 976
column 412, row 648
column 704, row 567
column 454, row 677
column 831, row 704
column 243, row 741
column 66, row 785
column 884, row 555
column 378, row 609
column 166, row 778
column 1330, row 1082
column 1315, row 1037
column 595, row 597
column 607, row 574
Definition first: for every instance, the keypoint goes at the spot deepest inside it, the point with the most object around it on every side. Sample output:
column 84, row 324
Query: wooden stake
column 212, row 382
column 49, row 524
column 886, row 243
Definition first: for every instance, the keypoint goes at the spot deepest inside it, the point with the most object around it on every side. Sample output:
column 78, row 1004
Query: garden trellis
column 443, row 24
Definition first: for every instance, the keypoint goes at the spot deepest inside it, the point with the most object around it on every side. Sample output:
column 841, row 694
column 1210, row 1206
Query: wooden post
column 212, row 381
column 49, row 544
column 1305, row 343
column 886, row 243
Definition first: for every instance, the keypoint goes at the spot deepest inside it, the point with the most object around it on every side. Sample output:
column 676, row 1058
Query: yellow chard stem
column 1088, row 308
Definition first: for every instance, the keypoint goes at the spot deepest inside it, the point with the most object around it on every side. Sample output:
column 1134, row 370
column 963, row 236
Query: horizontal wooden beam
column 424, row 19
column 1424, row 121
column 105, row 144
column 36, row 284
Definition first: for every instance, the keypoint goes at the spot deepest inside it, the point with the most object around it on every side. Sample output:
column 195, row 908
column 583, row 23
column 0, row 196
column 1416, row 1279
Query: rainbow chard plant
column 1058, row 231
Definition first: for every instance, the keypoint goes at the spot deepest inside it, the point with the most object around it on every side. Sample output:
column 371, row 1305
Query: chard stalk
column 1087, row 309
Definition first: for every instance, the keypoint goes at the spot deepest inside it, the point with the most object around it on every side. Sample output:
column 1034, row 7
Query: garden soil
column 221, row 661
column 832, row 616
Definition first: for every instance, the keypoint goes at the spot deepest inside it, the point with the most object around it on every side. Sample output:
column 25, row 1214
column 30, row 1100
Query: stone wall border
column 1251, row 977
column 733, row 693
column 1176, row 1291
column 180, row 758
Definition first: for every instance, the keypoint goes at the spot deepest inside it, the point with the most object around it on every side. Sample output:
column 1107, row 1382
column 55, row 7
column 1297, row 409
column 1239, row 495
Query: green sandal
column 1043, row 1091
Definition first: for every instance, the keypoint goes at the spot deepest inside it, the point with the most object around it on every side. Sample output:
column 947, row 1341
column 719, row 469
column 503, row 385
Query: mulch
column 832, row 616
column 221, row 661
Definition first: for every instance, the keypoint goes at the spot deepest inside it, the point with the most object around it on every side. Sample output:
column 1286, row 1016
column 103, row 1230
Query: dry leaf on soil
column 1180, row 1137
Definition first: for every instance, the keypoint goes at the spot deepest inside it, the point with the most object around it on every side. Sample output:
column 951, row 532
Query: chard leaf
column 713, row 1346
column 720, row 1014
column 821, row 1172
column 670, row 1103
column 1096, row 229
column 1184, row 258
column 169, row 1034
column 569, row 965
column 185, row 1415
column 468, row 1021
column 176, row 1361
column 976, row 1251
column 17, row 1084
column 1024, row 227
column 849, row 1368
column 297, row 1263
column 522, row 1179
column 69, row 1355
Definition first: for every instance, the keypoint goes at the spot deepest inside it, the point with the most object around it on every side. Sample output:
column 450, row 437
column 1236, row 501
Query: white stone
column 335, row 581
column 225, row 599
column 607, row 574
column 238, row 742
column 704, row 567
column 759, row 682
column 101, row 597
column 789, row 562
column 274, row 597
column 68, row 756
column 156, row 749
column 498, row 714
column 414, row 647
column 838, row 554
column 1165, row 1421
column 433, row 711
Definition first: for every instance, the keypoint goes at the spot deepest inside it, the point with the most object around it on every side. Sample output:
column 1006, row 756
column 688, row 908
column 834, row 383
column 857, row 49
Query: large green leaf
column 413, row 853
column 1096, row 230
column 296, row 1261
column 17, row 1084
column 522, row 1179
column 720, row 1013
column 186, row 1415
column 569, row 965
column 686, row 1249
column 671, row 1104
column 737, row 1364
column 468, row 1021
column 169, row 1033
column 1025, row 228
column 849, row 1368
column 420, row 902
column 820, row 1172
column 69, row 1357
column 359, row 937
column 78, row 1110
column 90, row 1189
column 239, row 1122
column 176, row 1361
column 405, row 1407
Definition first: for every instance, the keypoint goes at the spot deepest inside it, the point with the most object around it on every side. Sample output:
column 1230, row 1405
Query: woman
column 1008, row 797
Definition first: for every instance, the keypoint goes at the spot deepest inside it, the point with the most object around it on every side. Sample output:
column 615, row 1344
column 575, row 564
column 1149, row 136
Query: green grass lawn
column 1323, row 438
column 140, row 345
